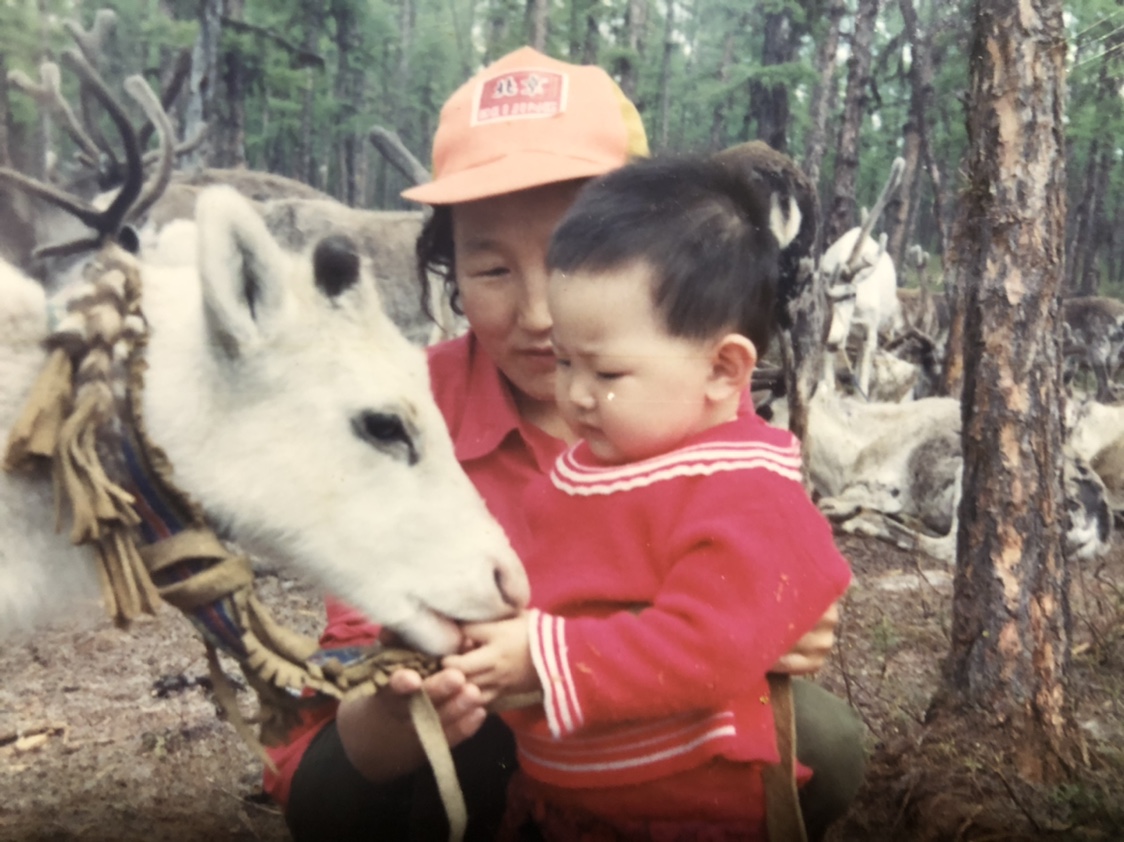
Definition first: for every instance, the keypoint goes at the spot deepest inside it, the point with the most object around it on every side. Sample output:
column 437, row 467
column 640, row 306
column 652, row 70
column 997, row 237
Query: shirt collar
column 489, row 414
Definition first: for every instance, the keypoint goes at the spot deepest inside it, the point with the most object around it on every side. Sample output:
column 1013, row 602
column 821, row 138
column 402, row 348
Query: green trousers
column 829, row 740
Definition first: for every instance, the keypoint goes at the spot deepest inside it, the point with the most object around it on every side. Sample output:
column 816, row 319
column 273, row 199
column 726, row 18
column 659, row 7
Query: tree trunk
column 5, row 115
column 952, row 373
column 574, row 32
column 827, row 45
column 718, row 115
column 304, row 167
column 1089, row 280
column 592, row 48
column 349, row 100
column 920, row 76
column 204, row 79
column 538, row 17
column 1085, row 227
column 669, row 47
column 900, row 205
column 43, row 140
column 584, row 32
column 842, row 215
column 628, row 63
column 1080, row 227
column 1010, row 636
column 229, row 125
column 768, row 102
column 495, row 29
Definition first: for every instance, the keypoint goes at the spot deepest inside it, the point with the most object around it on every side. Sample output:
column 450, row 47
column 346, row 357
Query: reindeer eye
column 385, row 431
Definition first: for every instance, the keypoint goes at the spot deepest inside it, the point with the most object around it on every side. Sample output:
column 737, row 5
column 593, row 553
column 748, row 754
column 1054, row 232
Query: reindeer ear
column 241, row 267
column 335, row 265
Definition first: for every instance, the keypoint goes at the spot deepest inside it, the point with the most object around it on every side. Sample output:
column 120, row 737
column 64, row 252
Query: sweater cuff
column 550, row 657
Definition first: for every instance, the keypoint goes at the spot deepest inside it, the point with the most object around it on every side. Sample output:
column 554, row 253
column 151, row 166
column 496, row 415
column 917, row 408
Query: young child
column 677, row 555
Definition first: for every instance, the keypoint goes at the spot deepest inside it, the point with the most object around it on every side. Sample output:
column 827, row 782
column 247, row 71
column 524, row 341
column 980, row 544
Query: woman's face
column 500, row 245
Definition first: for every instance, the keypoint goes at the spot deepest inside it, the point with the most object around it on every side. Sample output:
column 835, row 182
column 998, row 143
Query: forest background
column 843, row 86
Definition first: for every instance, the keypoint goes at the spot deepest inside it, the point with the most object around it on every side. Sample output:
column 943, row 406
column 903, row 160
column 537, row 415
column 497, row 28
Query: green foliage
column 409, row 55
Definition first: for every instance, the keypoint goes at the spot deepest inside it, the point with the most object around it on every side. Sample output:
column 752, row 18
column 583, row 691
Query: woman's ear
column 732, row 363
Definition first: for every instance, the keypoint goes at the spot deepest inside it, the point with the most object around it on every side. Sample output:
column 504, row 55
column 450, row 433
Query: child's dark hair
column 702, row 230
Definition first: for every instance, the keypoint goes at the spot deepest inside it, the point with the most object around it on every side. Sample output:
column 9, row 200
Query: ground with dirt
column 113, row 735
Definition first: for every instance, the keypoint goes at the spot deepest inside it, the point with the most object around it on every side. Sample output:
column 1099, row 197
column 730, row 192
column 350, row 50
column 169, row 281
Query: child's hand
column 500, row 661
column 813, row 649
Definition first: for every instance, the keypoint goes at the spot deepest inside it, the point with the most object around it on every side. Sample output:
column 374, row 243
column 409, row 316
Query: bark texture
column 842, row 215
column 1011, row 621
column 768, row 100
column 537, row 20
column 827, row 46
column 204, row 79
column 230, row 133
column 349, row 98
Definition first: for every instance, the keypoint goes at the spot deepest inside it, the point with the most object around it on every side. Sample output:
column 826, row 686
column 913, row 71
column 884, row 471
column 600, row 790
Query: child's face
column 623, row 383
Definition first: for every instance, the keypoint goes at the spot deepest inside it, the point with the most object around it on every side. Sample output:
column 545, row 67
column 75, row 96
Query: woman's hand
column 498, row 660
column 813, row 649
column 378, row 735
column 458, row 702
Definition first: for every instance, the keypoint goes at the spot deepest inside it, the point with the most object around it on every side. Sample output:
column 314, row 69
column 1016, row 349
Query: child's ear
column 732, row 364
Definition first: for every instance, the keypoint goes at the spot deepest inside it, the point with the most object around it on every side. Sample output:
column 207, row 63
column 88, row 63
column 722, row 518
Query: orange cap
column 528, row 120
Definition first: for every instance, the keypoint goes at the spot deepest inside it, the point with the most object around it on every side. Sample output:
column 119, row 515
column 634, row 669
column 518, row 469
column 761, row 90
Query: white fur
column 28, row 525
column 884, row 469
column 874, row 306
column 784, row 222
column 254, row 406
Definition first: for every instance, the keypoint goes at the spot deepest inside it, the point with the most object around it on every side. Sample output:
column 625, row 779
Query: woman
column 512, row 149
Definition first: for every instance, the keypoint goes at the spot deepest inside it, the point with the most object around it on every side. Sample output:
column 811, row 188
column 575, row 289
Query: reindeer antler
column 49, row 95
column 105, row 223
column 170, row 88
column 134, row 171
column 892, row 183
column 91, row 42
column 139, row 90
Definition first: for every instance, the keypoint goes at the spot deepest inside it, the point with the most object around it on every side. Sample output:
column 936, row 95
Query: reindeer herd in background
column 882, row 446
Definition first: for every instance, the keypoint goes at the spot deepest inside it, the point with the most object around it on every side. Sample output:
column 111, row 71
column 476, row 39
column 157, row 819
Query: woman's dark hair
column 702, row 230
column 434, row 253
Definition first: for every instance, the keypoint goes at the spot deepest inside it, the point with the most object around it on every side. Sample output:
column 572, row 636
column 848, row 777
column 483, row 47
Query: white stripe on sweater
column 549, row 657
column 633, row 762
column 584, row 483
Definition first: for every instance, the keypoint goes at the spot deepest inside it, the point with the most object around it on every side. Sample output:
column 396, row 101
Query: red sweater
column 665, row 589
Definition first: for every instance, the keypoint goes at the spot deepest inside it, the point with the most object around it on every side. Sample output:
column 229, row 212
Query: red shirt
column 664, row 590
column 500, row 452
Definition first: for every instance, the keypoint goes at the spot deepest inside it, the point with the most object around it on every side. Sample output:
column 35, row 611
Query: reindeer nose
column 511, row 579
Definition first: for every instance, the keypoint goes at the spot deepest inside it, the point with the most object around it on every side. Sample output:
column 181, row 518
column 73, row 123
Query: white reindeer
column 298, row 417
column 862, row 285
column 868, row 305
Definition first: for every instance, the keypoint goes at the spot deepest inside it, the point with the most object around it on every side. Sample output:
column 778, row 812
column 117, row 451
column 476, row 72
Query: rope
column 432, row 736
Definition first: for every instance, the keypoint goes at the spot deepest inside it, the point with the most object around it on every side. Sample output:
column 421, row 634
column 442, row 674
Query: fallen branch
column 395, row 151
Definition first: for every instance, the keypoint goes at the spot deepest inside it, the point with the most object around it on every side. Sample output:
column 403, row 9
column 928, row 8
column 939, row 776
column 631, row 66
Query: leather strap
column 782, row 804
column 427, row 723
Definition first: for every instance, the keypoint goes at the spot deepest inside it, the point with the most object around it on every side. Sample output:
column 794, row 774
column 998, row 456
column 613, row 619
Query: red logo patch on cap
column 520, row 95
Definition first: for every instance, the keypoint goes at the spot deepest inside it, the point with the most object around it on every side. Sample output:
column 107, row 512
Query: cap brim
column 511, row 173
